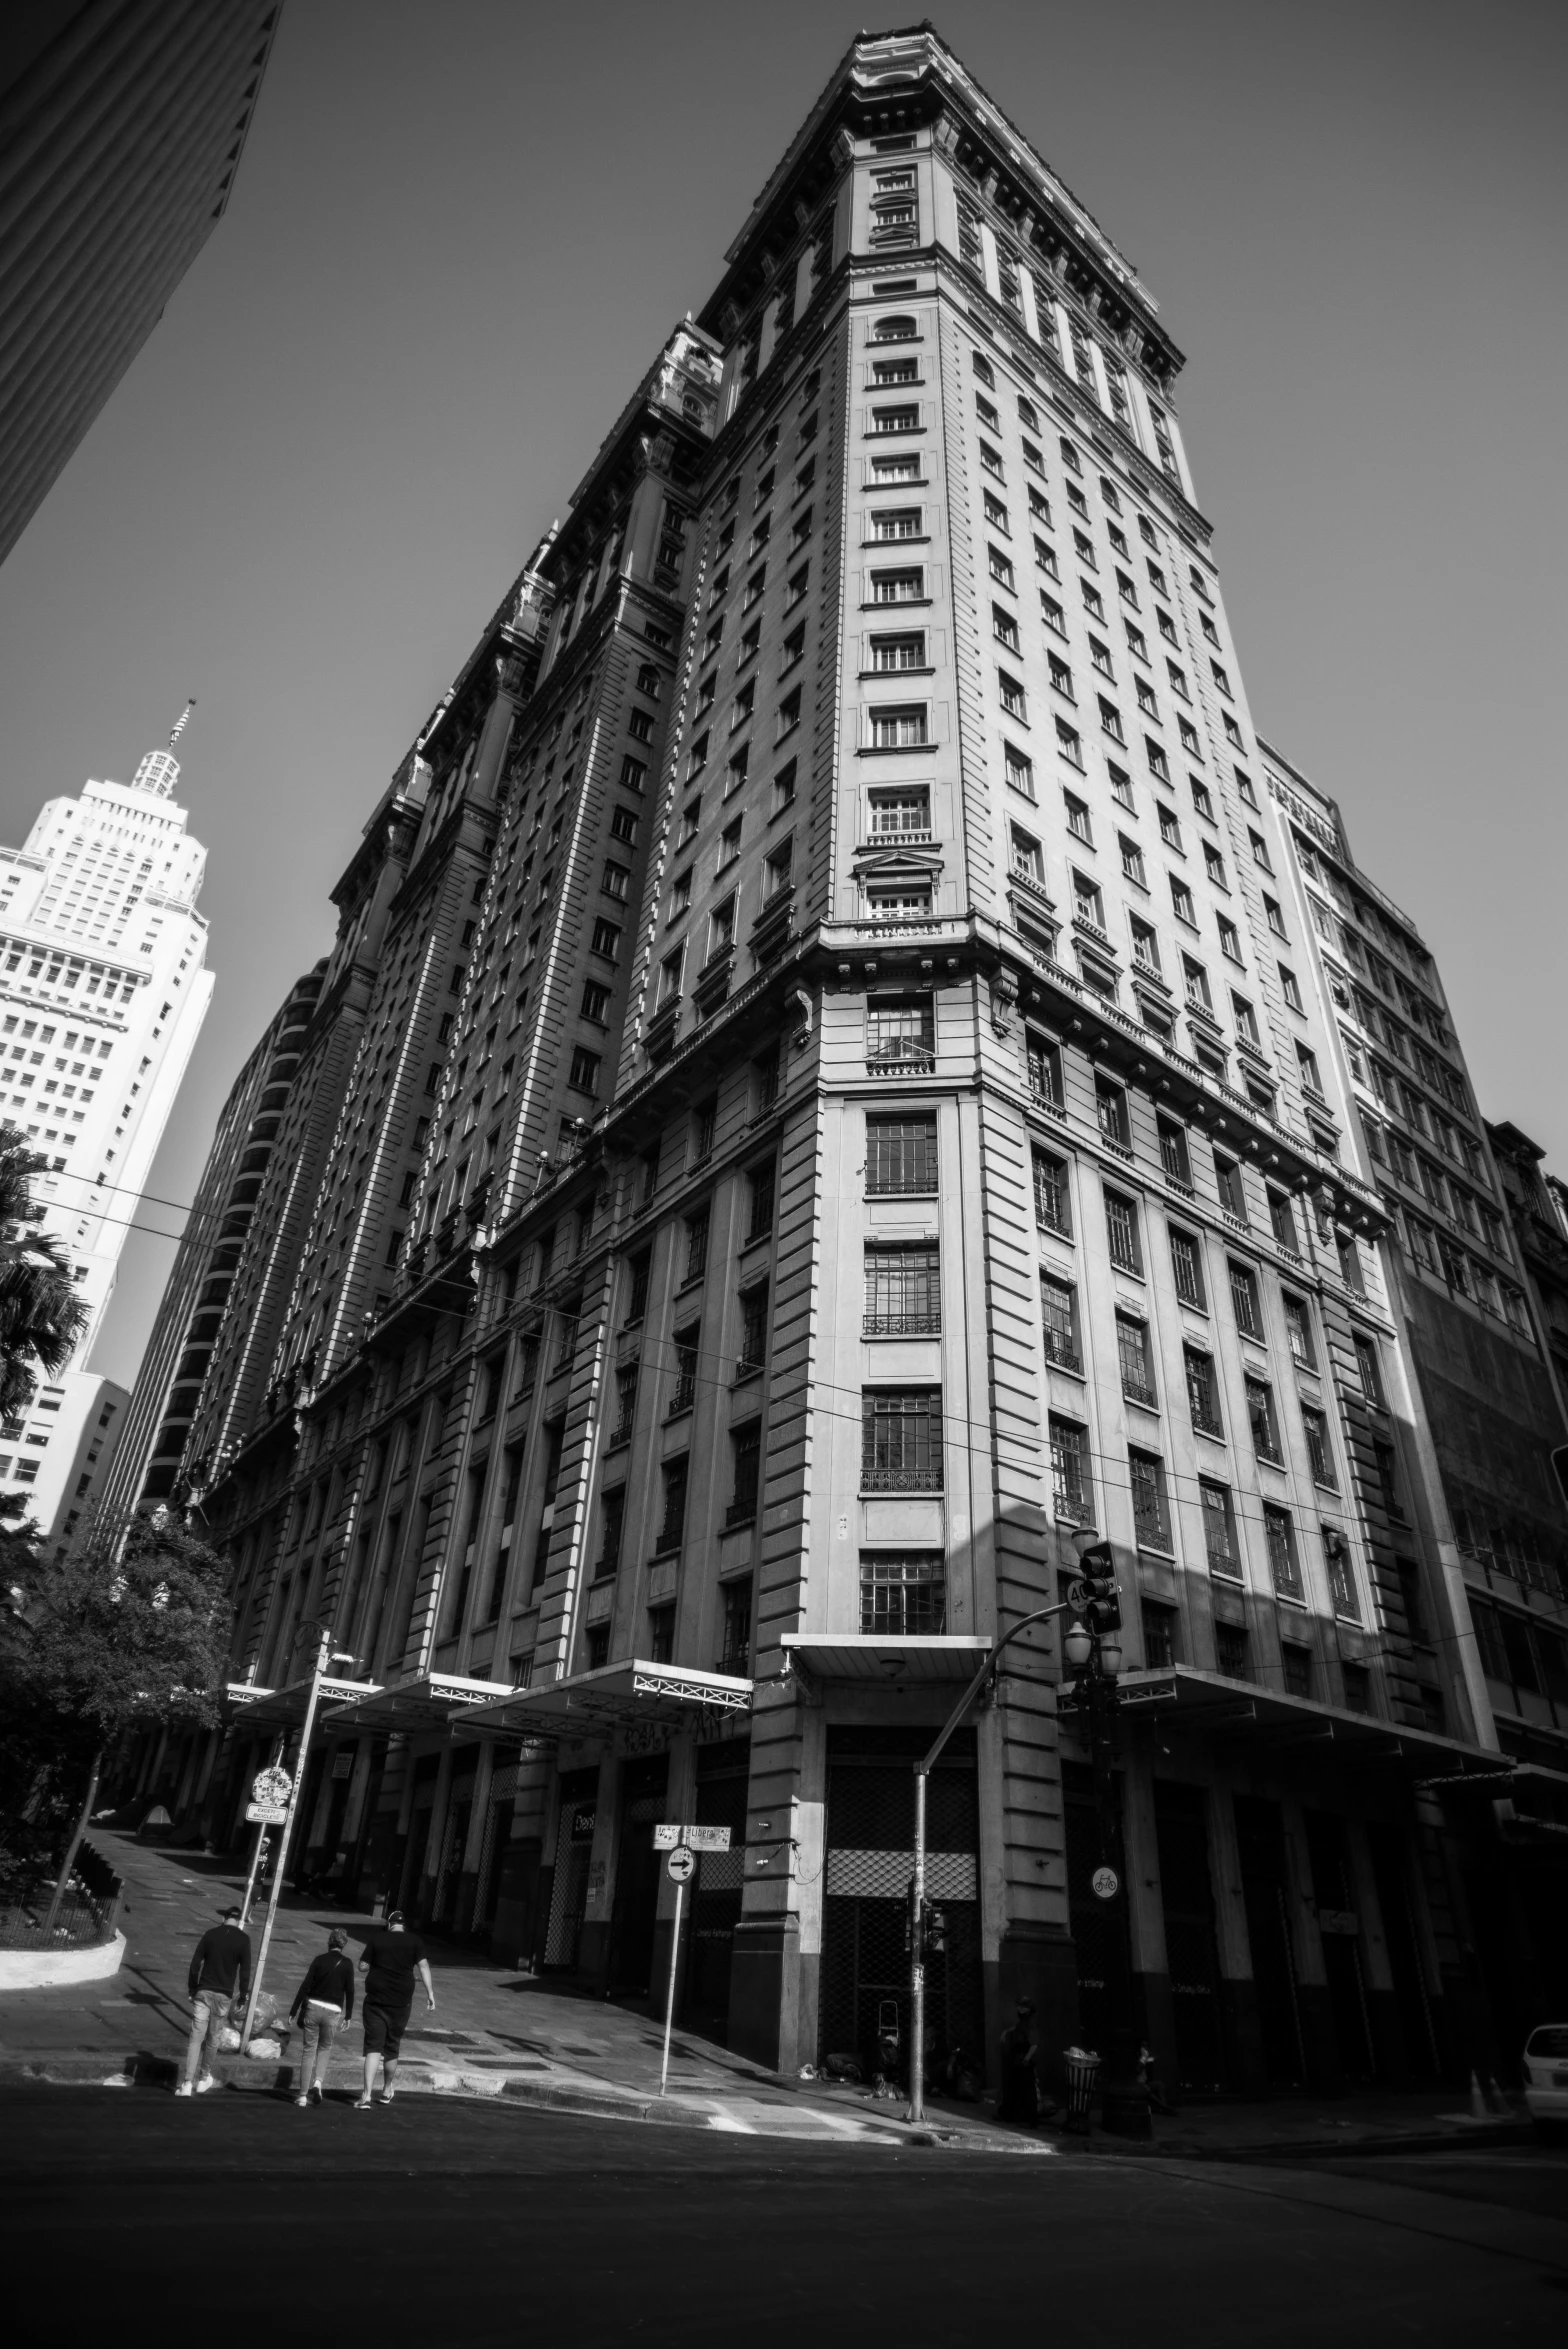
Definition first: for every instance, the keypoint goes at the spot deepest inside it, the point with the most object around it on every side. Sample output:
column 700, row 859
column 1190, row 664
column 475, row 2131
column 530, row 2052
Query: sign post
column 268, row 1807
column 323, row 1657
column 682, row 1844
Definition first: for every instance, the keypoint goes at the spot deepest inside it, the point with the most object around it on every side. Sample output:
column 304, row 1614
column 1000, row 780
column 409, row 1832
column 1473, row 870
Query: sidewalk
column 497, row 2033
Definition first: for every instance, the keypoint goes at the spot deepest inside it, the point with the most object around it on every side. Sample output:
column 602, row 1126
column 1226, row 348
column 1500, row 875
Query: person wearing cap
column 219, row 1978
column 323, row 2003
column 390, row 1962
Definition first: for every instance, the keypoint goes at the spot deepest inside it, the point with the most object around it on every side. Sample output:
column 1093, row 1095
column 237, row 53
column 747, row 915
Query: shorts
column 384, row 2030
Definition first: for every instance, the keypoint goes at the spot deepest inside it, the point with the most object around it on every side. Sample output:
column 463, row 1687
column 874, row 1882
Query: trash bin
column 1082, row 2066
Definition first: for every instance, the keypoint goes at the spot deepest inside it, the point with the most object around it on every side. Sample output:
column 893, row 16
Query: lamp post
column 918, row 1922
column 1093, row 1647
column 325, row 1655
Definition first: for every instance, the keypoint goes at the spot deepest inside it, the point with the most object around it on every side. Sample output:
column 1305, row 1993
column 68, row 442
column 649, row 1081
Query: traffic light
column 933, row 1941
column 1102, row 1606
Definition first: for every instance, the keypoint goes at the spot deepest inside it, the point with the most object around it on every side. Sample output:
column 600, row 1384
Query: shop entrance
column 579, row 1793
column 864, row 2003
column 723, row 1774
column 1260, row 1838
column 637, row 1877
column 1191, row 1954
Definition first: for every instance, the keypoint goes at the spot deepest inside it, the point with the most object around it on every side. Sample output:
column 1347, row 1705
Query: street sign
column 1106, row 1884
column 681, row 1865
column 670, row 1837
column 272, row 1788
column 266, row 1814
column 1077, row 1592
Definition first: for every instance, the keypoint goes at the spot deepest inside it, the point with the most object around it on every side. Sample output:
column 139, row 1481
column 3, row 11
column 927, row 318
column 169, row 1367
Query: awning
column 240, row 1695
column 1183, row 1698
column 427, row 1701
column 891, row 1662
column 284, row 1708
column 613, row 1695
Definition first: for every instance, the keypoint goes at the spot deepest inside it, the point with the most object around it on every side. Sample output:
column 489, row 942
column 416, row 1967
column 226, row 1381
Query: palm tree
column 41, row 1315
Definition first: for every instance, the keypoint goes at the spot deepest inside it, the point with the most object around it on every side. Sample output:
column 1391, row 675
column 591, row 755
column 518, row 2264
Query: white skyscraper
column 103, row 989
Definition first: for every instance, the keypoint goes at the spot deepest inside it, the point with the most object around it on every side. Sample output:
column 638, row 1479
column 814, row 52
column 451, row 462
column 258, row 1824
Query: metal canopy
column 1184, row 1698
column 284, row 1708
column 609, row 1698
column 426, row 1701
column 891, row 1662
column 240, row 1696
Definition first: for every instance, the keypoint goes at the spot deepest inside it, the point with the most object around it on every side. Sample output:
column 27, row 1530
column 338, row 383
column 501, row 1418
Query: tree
column 116, row 1635
column 41, row 1315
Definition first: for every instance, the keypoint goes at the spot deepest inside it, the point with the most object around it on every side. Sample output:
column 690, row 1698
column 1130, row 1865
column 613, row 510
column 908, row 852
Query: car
column 1546, row 2076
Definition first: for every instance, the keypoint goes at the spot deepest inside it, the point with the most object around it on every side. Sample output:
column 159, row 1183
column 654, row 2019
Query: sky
column 462, row 228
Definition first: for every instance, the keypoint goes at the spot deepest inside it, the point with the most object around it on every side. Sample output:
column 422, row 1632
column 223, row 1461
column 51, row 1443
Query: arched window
column 895, row 330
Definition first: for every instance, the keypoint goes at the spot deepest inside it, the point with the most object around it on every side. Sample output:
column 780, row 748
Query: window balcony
column 1060, row 1351
column 901, row 1060
column 1138, row 1390
column 924, row 1324
column 902, row 1480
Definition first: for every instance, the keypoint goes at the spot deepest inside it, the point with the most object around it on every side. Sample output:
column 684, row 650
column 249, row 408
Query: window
column 902, row 1594
column 612, row 1520
column 1121, row 1225
column 1244, row 1300
column 729, row 844
column 1290, row 989
column 900, row 814
column 1276, row 919
column 991, row 459
column 1358, row 1687
column 1315, row 1427
column 753, row 1329
column 1110, row 1103
column 673, row 1523
column 1260, row 854
column 1202, row 1392
column 1068, row 743
column 746, row 1456
column 1370, row 1370
column 1111, row 720
column 996, row 514
column 1265, row 1427
column 1219, row 1528
column 897, row 587
column 596, row 1001
column 671, row 967
column 1161, row 1644
column 1004, row 628
column 1151, row 1515
column 760, row 1186
column 721, row 929
column 584, row 1073
column 1028, row 861
column 735, row 1654
column 1051, row 1206
column 1019, row 770
column 1187, row 1267
column 895, row 728
column 903, row 1290
column 895, row 419
column 1246, row 1022
column 1088, row 904
column 1174, row 1154
column 688, row 1350
column 1132, row 863
column 1132, row 1356
column 1196, row 979
column 901, row 1156
column 1227, row 1180
column 898, row 652
column 1145, row 946
column 784, row 787
column 778, row 871
column 901, row 1032
column 1052, row 614
column 901, row 1440
column 1012, row 694
column 1059, row 1318
column 640, row 1267
column 1121, row 784
column 894, row 522
column 1181, row 902
column 1072, row 1494
column 1230, row 939
column 1298, row 1327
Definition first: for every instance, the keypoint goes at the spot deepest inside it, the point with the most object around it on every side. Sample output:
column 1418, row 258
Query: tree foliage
column 41, row 1315
column 109, row 1638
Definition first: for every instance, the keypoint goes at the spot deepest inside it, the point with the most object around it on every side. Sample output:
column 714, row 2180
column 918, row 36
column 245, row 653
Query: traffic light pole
column 917, row 1922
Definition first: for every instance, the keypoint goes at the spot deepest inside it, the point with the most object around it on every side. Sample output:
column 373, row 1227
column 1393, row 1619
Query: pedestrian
column 1020, row 2084
column 322, row 2005
column 390, row 1962
column 219, row 1978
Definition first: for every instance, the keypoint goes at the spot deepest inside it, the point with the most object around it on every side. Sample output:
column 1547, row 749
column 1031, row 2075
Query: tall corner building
column 847, row 1104
column 103, row 989
column 121, row 125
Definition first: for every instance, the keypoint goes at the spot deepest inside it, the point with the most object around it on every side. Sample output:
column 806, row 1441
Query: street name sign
column 266, row 1814
column 671, row 1837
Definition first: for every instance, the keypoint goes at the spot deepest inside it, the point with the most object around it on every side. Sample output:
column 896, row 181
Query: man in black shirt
column 219, row 1979
column 390, row 1962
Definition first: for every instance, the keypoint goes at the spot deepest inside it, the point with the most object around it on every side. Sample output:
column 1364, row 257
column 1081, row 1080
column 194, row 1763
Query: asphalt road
column 129, row 2216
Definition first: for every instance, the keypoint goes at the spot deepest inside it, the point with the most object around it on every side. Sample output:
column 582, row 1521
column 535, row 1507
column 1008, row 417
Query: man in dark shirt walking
column 322, row 2005
column 390, row 1962
column 219, row 1978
